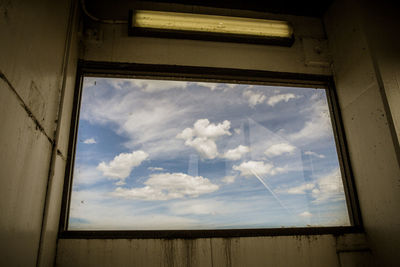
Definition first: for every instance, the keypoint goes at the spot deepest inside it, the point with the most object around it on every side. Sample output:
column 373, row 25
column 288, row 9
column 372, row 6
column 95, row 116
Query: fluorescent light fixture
column 209, row 27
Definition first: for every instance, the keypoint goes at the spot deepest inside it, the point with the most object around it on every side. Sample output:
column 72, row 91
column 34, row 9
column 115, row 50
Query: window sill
column 192, row 234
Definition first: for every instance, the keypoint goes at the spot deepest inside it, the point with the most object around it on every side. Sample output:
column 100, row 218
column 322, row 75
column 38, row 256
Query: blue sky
column 155, row 154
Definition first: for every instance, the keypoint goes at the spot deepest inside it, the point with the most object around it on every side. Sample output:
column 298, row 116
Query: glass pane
column 155, row 154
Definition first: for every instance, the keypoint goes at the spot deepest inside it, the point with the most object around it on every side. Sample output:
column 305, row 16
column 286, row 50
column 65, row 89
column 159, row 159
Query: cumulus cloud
column 236, row 153
column 121, row 166
column 85, row 174
column 165, row 186
column 305, row 214
column 254, row 98
column 207, row 148
column 279, row 149
column 89, row 141
column 149, row 86
column 311, row 153
column 203, row 128
column 203, row 135
column 301, row 189
column 326, row 188
column 229, row 179
column 248, row 168
column 273, row 100
column 152, row 119
column 198, row 207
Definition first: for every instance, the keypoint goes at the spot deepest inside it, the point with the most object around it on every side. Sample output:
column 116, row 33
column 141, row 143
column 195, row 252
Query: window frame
column 210, row 74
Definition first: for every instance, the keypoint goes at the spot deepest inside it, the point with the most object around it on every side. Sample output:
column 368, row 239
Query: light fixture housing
column 209, row 27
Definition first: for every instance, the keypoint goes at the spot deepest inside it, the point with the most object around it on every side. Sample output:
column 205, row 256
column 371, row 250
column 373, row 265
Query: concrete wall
column 311, row 251
column 105, row 42
column 110, row 43
column 364, row 42
column 38, row 53
column 36, row 67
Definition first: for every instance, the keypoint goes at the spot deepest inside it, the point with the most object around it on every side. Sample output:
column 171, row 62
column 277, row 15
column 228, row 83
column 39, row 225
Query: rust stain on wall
column 168, row 253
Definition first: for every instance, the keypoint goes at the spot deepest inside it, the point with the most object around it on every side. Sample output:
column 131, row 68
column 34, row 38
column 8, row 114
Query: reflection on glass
column 155, row 155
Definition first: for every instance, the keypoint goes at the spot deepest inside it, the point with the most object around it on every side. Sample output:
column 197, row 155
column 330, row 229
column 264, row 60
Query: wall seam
column 26, row 108
column 381, row 86
column 55, row 151
column 385, row 102
column 61, row 155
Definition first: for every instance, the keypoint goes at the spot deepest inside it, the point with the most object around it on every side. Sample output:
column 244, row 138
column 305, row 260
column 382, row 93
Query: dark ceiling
column 111, row 9
column 307, row 8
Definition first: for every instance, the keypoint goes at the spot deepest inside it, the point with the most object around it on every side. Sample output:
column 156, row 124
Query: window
column 153, row 153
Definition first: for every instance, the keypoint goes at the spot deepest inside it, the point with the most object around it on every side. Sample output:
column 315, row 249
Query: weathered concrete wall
column 55, row 185
column 366, row 71
column 383, row 39
column 111, row 43
column 257, row 251
column 105, row 42
column 37, row 66
column 33, row 69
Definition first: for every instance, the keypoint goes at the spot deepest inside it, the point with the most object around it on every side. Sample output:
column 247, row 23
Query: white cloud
column 203, row 128
column 165, row 186
column 121, row 166
column 305, row 214
column 156, row 86
column 138, row 117
column 203, row 135
column 211, row 86
column 207, row 148
column 89, row 141
column 279, row 149
column 311, row 153
column 149, row 86
column 254, row 98
column 198, row 207
column 248, row 168
column 317, row 126
column 236, row 153
column 329, row 188
column 215, row 86
column 229, row 179
column 97, row 210
column 326, row 188
column 85, row 174
column 155, row 169
column 301, row 189
column 273, row 100
column 152, row 119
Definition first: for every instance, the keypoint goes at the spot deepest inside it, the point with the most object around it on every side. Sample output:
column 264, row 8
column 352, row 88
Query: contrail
column 272, row 192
